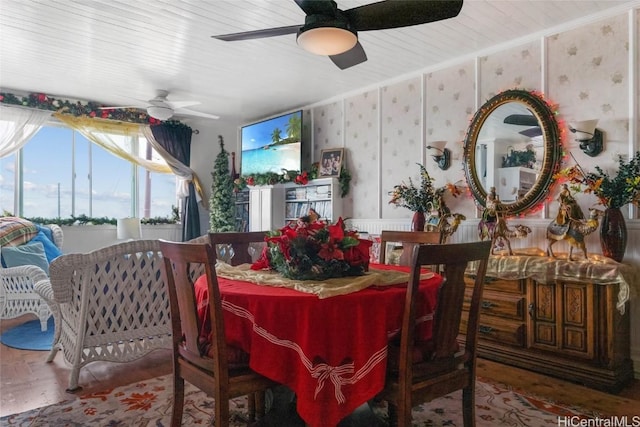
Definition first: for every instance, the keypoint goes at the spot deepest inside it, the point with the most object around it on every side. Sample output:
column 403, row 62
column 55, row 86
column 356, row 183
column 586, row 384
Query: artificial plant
column 221, row 203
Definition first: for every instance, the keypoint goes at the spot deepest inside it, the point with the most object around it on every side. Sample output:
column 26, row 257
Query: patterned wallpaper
column 450, row 100
column 517, row 68
column 327, row 125
column 401, row 113
column 362, row 144
column 578, row 58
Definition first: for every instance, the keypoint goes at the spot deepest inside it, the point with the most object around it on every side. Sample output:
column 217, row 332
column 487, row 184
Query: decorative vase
column 418, row 221
column 613, row 234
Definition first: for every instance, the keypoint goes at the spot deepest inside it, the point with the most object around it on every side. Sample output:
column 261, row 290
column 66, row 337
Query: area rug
column 28, row 336
column 148, row 403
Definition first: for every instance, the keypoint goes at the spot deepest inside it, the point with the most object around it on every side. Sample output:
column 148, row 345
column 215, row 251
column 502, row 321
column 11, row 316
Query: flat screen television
column 272, row 145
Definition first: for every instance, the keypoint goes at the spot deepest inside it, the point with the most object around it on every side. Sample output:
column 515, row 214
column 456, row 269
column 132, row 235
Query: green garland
column 86, row 220
column 89, row 109
column 299, row 177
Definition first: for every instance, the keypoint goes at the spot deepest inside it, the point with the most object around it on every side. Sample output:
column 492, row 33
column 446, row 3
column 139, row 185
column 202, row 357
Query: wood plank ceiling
column 116, row 52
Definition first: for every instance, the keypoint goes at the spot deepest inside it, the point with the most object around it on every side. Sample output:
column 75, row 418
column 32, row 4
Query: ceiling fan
column 330, row 31
column 162, row 109
column 525, row 120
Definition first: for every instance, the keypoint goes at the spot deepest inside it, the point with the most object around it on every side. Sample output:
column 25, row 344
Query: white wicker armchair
column 17, row 296
column 113, row 304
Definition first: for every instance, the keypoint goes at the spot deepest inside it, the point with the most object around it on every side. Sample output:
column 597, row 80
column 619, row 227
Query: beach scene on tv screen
column 272, row 145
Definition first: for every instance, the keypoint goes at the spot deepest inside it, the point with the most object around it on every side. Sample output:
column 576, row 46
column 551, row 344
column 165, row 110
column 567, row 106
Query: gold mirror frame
column 551, row 143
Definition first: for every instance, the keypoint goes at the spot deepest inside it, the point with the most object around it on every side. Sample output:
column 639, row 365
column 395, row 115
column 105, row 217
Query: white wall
column 86, row 238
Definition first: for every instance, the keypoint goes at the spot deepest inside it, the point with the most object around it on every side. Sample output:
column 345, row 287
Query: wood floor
column 28, row 382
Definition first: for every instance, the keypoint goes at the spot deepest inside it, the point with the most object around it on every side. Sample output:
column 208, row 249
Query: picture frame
column 331, row 162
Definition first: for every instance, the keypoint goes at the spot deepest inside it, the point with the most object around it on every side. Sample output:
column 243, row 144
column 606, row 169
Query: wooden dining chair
column 211, row 371
column 420, row 371
column 237, row 248
column 409, row 240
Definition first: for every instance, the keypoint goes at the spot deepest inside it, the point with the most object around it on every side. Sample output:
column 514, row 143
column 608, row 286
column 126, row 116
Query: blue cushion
column 50, row 249
column 29, row 254
column 46, row 230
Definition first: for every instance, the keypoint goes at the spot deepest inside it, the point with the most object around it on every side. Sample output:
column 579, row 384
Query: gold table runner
column 321, row 288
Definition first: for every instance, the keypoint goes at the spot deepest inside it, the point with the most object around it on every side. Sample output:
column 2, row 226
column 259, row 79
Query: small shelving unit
column 322, row 194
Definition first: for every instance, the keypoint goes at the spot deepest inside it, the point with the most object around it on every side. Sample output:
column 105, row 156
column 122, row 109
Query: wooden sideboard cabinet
column 569, row 328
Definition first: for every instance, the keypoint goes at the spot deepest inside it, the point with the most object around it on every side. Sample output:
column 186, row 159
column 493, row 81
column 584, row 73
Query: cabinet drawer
column 503, row 305
column 499, row 285
column 499, row 330
column 502, row 285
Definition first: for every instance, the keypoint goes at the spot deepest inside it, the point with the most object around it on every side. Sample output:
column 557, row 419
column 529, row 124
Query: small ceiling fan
column 162, row 109
column 330, row 31
column 525, row 120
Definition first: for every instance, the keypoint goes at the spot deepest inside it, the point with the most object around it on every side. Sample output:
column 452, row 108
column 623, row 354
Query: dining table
column 331, row 351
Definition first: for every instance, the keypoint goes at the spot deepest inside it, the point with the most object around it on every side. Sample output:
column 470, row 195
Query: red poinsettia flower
column 329, row 251
column 263, row 260
column 302, row 179
column 250, row 180
column 336, row 232
column 41, row 97
column 358, row 255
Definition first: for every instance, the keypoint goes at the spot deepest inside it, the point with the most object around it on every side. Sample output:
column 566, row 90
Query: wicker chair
column 17, row 295
column 113, row 304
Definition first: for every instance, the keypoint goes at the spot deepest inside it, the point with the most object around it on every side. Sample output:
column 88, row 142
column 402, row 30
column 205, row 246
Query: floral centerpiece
column 315, row 250
column 611, row 191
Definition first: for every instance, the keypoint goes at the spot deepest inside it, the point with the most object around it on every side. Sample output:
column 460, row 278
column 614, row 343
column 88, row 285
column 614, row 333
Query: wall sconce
column 443, row 160
column 128, row 229
column 590, row 138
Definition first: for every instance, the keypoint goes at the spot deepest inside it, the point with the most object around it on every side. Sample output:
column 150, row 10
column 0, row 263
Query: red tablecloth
column 331, row 352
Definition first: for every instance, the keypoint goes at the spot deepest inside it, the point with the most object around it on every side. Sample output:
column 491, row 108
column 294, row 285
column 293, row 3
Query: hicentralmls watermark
column 619, row 421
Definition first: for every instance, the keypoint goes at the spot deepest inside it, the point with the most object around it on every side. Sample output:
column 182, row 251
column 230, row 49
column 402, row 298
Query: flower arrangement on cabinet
column 421, row 198
column 315, row 250
column 612, row 191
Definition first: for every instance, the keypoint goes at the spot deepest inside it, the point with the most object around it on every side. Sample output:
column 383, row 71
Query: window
column 64, row 174
column 7, row 183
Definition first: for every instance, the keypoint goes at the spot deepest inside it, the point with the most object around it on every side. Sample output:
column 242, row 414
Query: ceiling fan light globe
column 327, row 40
column 160, row 112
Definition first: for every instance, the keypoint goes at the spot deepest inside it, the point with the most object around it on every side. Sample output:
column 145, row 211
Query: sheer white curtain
column 18, row 125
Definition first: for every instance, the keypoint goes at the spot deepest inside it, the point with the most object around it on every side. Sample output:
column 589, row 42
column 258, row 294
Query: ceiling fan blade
column 120, row 107
column 353, row 56
column 521, row 120
column 532, row 132
column 182, row 104
column 187, row 112
column 401, row 13
column 258, row 34
column 315, row 7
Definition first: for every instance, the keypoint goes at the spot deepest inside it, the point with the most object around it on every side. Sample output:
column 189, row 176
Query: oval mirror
column 512, row 145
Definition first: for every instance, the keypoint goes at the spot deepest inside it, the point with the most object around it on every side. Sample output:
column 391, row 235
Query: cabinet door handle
column 487, row 304
column 485, row 329
column 532, row 308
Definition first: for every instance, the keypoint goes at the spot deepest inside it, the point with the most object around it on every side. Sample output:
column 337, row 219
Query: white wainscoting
column 468, row 232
